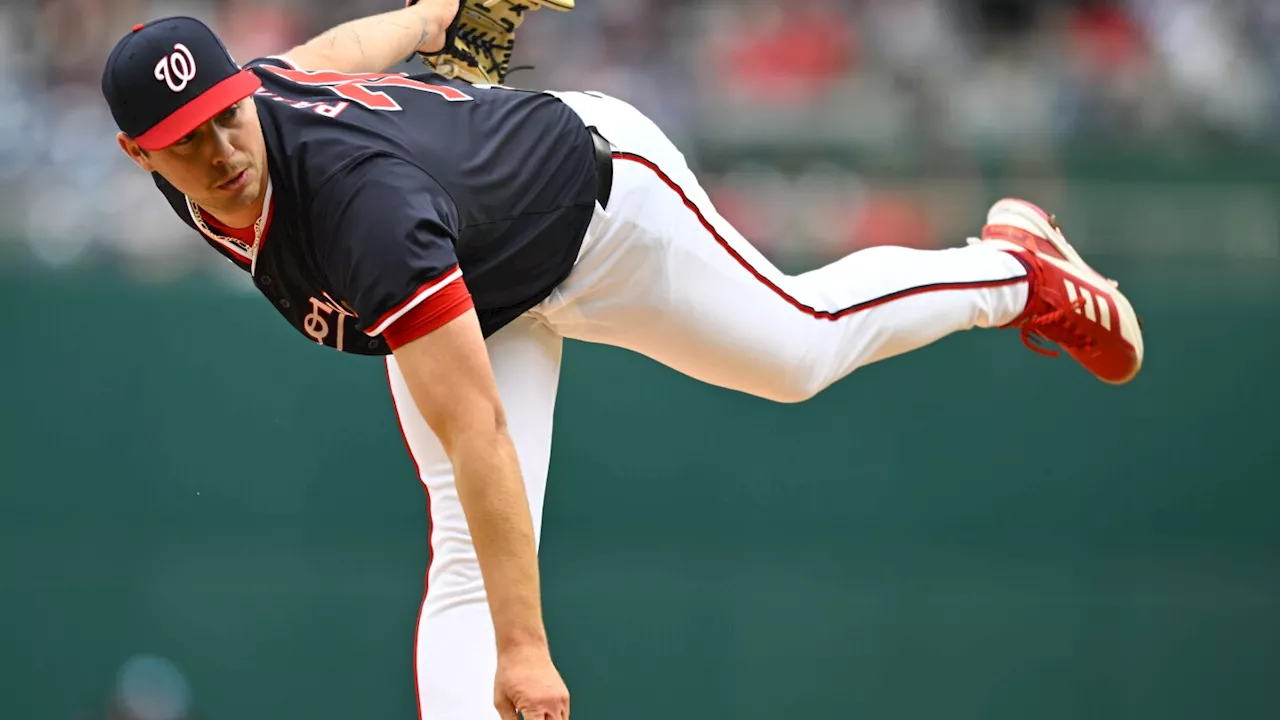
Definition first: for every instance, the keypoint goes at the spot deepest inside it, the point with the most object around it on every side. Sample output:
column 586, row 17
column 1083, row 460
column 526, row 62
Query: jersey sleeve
column 385, row 232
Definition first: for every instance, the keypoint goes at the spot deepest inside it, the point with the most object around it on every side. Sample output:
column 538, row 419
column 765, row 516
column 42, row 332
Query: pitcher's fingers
column 506, row 710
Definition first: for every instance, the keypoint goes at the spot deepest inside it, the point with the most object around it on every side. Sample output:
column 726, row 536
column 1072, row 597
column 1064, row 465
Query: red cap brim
column 198, row 111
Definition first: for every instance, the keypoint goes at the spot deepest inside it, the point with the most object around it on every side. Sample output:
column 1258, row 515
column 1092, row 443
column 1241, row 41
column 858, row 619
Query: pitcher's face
column 221, row 165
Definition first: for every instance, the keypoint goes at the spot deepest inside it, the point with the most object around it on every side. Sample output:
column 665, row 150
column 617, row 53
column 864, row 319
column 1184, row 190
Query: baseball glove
column 479, row 42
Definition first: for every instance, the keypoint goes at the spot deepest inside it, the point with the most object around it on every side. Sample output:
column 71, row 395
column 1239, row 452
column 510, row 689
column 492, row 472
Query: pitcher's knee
column 792, row 387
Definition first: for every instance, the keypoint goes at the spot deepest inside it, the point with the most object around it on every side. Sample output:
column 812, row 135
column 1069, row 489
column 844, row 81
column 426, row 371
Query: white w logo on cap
column 177, row 68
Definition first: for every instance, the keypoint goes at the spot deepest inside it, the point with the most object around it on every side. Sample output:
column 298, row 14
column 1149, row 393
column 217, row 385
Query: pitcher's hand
column 438, row 16
column 528, row 683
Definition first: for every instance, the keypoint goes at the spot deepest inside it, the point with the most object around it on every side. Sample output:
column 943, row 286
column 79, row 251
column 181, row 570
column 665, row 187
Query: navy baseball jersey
column 385, row 189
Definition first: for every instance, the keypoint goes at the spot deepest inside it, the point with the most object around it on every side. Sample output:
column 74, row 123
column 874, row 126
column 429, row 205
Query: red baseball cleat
column 1069, row 303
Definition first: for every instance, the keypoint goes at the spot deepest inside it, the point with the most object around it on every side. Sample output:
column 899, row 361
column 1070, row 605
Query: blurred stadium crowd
column 946, row 80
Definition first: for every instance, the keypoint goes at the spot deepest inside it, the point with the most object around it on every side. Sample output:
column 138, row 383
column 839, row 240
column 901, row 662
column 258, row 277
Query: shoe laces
column 1058, row 327
column 1055, row 326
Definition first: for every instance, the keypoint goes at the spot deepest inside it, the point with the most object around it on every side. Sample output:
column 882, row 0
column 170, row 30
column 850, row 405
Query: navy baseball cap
column 169, row 76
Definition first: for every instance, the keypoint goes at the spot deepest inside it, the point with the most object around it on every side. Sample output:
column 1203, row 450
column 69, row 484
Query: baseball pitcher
column 461, row 230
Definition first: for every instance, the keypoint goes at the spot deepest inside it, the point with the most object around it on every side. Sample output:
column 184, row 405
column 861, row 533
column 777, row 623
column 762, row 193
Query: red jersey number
column 361, row 87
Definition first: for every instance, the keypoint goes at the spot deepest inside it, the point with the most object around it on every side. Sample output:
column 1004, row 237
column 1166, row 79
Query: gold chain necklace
column 258, row 225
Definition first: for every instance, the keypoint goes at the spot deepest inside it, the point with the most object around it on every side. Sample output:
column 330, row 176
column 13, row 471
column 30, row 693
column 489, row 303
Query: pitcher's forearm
column 377, row 42
column 490, row 486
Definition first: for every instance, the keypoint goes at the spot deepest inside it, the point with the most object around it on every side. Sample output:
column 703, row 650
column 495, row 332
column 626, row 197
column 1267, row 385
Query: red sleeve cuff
column 431, row 314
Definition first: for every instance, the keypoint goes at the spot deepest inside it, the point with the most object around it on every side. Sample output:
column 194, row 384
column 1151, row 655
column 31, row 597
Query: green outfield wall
column 967, row 532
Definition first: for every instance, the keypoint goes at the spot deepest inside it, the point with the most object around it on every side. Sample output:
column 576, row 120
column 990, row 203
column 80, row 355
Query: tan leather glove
column 479, row 42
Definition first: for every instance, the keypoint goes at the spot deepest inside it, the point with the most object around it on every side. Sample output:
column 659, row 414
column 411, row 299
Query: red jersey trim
column 244, row 235
column 444, row 306
column 241, row 255
column 424, row 292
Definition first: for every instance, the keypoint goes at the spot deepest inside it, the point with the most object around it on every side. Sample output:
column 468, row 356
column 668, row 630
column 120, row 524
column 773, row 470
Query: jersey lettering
column 361, row 87
column 331, row 111
column 317, row 322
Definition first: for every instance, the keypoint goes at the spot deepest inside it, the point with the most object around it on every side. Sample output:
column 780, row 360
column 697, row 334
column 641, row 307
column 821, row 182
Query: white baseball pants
column 663, row 274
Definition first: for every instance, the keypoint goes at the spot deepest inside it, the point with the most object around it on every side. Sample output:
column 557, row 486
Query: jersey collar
column 245, row 252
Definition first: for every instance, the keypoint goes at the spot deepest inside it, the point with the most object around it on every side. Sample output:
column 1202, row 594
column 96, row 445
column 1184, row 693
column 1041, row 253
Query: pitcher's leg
column 455, row 658
column 666, row 276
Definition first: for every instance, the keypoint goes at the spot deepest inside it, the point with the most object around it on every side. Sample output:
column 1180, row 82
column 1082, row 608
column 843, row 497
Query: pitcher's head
column 184, row 109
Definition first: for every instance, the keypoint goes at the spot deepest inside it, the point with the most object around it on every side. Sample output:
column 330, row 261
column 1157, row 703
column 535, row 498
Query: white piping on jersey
column 413, row 302
column 248, row 253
